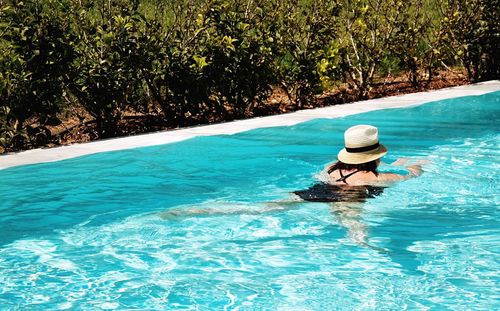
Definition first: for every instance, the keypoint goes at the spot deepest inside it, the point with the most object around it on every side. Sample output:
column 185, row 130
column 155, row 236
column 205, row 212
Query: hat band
column 362, row 149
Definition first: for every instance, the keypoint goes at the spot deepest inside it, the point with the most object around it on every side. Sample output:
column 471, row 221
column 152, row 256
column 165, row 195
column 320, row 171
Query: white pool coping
column 171, row 136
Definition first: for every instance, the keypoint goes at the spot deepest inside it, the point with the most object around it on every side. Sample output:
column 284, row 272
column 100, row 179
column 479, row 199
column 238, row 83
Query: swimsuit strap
column 343, row 178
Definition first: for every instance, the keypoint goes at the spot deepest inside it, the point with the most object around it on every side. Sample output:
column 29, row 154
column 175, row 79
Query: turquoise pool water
column 86, row 233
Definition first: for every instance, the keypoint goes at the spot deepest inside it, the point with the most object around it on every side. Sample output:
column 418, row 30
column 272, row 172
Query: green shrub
column 36, row 50
column 390, row 65
column 105, row 76
column 366, row 37
column 172, row 65
column 214, row 61
column 238, row 56
column 471, row 35
column 412, row 43
column 307, row 56
column 198, row 61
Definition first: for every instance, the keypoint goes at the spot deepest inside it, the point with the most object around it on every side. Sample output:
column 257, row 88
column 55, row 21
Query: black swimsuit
column 342, row 177
column 323, row 192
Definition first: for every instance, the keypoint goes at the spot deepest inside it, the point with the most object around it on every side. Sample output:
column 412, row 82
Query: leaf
column 200, row 20
column 201, row 61
column 228, row 41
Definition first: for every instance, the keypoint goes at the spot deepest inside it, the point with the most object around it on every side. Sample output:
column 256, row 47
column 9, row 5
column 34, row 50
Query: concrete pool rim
column 35, row 156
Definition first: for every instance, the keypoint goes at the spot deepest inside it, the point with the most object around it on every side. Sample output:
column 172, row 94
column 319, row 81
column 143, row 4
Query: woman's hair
column 366, row 167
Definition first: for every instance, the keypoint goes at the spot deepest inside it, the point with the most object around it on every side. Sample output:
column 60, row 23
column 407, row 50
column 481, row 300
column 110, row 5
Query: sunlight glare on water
column 92, row 232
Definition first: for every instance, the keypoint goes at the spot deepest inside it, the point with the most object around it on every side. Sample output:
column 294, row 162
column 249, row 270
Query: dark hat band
column 362, row 149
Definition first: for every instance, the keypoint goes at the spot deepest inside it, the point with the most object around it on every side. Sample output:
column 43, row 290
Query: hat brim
column 361, row 157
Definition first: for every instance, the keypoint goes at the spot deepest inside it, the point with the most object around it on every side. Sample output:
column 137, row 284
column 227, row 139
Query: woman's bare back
column 364, row 178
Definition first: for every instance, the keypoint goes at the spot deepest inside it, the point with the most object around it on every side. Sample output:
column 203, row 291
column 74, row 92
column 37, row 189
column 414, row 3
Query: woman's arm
column 400, row 162
column 414, row 170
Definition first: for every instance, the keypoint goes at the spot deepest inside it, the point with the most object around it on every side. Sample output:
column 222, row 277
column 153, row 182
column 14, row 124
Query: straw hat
column 361, row 145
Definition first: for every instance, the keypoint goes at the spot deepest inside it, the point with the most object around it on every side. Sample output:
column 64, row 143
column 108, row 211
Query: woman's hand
column 415, row 169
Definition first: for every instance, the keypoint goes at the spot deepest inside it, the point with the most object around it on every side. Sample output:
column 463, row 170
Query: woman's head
column 361, row 146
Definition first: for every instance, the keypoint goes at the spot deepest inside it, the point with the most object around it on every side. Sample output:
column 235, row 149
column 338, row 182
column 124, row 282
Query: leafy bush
column 105, row 76
column 367, row 38
column 214, row 60
column 307, row 55
column 237, row 55
column 198, row 61
column 170, row 64
column 471, row 34
column 36, row 50
column 412, row 42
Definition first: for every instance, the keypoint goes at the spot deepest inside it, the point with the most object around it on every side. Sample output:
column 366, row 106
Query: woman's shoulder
column 391, row 176
column 385, row 178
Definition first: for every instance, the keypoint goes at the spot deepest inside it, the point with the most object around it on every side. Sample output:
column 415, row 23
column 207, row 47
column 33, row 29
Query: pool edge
column 35, row 156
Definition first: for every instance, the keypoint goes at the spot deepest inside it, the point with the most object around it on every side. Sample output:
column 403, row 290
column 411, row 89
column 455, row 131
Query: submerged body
column 323, row 192
column 354, row 178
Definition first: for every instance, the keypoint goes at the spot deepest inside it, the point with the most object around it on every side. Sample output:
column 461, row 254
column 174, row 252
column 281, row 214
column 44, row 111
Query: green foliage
column 489, row 67
column 236, row 57
column 213, row 60
column 367, row 38
column 104, row 76
column 470, row 33
column 412, row 42
column 36, row 50
column 198, row 61
column 307, row 54
column 390, row 65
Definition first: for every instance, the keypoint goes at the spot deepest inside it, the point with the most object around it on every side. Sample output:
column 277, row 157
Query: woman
column 358, row 161
column 354, row 177
column 349, row 182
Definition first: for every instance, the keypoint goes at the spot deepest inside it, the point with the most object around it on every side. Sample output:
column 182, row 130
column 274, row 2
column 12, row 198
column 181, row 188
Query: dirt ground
column 79, row 127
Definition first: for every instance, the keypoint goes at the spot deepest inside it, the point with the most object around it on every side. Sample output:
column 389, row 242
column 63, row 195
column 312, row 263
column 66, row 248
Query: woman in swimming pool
column 349, row 182
column 354, row 177
column 358, row 161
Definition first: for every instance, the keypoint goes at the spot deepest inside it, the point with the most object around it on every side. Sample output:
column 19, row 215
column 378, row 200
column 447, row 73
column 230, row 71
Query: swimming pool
column 87, row 233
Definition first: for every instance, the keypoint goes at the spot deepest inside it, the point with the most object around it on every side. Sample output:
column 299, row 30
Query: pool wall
column 172, row 136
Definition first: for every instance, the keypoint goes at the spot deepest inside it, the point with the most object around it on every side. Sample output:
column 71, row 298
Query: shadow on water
column 408, row 234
